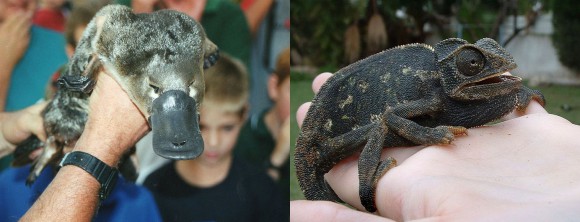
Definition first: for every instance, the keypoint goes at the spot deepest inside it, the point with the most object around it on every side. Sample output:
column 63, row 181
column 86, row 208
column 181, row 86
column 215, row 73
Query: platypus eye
column 470, row 61
column 155, row 88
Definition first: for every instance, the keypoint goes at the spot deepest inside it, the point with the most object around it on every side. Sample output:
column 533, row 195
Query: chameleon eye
column 470, row 61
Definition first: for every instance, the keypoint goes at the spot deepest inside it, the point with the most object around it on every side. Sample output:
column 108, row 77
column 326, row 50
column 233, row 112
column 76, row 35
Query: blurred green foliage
column 566, row 30
column 318, row 27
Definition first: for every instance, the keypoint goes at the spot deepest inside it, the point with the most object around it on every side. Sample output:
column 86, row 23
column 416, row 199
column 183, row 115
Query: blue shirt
column 45, row 54
column 127, row 201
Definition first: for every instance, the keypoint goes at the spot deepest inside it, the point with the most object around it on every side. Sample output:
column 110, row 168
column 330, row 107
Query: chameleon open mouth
column 500, row 79
column 500, row 84
column 175, row 124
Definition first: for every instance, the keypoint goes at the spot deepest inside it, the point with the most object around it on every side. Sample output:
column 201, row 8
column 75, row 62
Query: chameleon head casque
column 158, row 59
column 475, row 71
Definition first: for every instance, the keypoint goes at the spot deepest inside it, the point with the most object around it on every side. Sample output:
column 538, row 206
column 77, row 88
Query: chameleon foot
column 457, row 130
column 525, row 95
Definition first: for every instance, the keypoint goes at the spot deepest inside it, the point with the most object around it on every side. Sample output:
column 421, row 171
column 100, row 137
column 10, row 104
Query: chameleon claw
column 457, row 130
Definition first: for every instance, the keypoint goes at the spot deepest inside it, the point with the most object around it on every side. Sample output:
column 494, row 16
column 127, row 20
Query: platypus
column 158, row 58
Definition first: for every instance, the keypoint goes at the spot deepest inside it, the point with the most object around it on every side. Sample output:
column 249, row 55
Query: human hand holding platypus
column 115, row 124
column 115, row 121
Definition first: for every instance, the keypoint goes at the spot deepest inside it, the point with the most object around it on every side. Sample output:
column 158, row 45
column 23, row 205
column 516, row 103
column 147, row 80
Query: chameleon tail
column 310, row 176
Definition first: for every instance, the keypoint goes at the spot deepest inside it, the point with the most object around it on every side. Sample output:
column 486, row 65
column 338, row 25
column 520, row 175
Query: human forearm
column 4, row 84
column 279, row 155
column 113, row 126
column 282, row 149
column 277, row 159
column 114, row 123
column 71, row 196
column 5, row 146
column 14, row 38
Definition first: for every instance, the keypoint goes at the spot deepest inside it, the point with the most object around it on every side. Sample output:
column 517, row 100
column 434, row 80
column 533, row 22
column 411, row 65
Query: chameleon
column 157, row 58
column 409, row 95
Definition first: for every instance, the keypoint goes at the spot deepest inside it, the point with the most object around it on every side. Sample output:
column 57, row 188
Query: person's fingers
column 36, row 121
column 320, row 80
column 316, row 84
column 37, row 108
column 12, row 21
column 301, row 113
column 22, row 26
column 344, row 177
column 302, row 210
column 31, row 7
column 37, row 127
column 119, row 112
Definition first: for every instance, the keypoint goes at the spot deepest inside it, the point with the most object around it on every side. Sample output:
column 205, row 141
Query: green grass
column 559, row 96
column 301, row 92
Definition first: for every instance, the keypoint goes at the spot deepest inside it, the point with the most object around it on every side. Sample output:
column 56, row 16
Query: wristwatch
column 106, row 175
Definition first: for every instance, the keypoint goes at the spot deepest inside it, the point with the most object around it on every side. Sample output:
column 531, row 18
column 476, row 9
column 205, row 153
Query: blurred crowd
column 243, row 174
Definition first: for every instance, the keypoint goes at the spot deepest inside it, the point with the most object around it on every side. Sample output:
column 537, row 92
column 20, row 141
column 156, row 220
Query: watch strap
column 105, row 174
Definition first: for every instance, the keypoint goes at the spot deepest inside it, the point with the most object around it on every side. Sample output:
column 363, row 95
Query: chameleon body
column 409, row 95
column 157, row 58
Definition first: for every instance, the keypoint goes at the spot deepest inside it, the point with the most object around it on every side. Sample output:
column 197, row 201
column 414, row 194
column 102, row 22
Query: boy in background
column 265, row 138
column 217, row 186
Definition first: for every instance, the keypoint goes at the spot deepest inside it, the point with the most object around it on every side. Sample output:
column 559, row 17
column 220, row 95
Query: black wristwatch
column 106, row 175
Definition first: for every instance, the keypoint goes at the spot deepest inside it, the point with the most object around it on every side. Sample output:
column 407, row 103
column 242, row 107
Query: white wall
column 535, row 54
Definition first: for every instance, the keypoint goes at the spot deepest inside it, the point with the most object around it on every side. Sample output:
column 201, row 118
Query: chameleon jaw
column 500, row 78
column 494, row 85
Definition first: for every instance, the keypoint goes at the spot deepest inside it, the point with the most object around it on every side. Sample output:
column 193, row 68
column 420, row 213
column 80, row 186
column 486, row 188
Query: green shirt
column 226, row 26
column 255, row 144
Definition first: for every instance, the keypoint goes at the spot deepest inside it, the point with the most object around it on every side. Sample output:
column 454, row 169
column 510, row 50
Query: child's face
column 219, row 130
